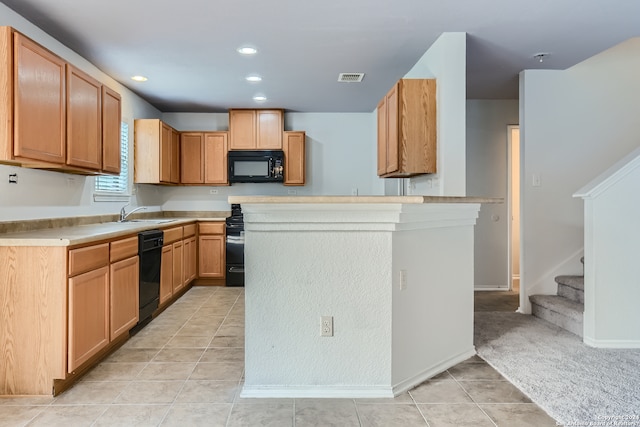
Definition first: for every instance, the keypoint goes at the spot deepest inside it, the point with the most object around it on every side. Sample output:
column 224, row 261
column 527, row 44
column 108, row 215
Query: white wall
column 486, row 154
column 611, row 235
column 44, row 194
column 573, row 125
column 340, row 158
column 446, row 61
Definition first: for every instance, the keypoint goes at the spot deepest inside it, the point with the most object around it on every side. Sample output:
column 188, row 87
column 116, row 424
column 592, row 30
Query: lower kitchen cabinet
column 190, row 259
column 211, row 250
column 166, row 274
column 64, row 308
column 124, row 297
column 177, row 267
column 88, row 315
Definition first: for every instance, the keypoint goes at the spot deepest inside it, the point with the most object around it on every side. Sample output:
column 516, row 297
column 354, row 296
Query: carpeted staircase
column 564, row 309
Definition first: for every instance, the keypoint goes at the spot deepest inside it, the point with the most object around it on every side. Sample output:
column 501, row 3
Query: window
column 117, row 185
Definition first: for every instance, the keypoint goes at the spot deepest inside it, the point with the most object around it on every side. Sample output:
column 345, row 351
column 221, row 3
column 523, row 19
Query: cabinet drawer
column 211, row 227
column 189, row 230
column 125, row 248
column 172, row 234
column 87, row 259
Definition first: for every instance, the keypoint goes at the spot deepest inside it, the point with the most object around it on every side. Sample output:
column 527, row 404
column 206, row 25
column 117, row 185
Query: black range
column 235, row 247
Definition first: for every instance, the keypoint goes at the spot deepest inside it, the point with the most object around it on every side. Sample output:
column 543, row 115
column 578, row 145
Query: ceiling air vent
column 350, row 77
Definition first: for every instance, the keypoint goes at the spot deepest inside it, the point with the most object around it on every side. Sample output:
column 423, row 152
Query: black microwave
column 256, row 166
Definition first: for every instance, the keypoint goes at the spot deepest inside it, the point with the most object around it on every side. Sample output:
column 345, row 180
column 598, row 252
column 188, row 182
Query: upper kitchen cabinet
column 255, row 129
column 203, row 158
column 84, row 120
column 156, row 153
column 294, row 157
column 51, row 113
column 111, row 118
column 407, row 138
column 32, row 109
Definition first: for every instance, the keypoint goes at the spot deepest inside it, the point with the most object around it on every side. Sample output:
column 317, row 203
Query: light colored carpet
column 576, row 384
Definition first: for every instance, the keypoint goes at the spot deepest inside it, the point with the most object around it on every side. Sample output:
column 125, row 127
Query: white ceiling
column 187, row 48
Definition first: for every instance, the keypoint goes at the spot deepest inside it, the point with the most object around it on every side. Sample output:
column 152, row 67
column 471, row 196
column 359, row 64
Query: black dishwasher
column 150, row 253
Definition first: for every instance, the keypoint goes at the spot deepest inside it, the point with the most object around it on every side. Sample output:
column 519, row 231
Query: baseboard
column 611, row 343
column 415, row 380
column 335, row 392
column 496, row 288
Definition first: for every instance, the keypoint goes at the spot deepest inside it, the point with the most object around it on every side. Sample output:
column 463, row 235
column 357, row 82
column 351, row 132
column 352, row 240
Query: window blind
column 117, row 184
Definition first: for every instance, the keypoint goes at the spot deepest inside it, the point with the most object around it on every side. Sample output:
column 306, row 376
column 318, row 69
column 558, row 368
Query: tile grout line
column 355, row 403
column 213, row 295
column 172, row 404
column 418, row 407
column 473, row 400
column 237, row 394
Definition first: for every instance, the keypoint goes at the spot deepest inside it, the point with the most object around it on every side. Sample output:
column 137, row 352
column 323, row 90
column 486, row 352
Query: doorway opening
column 507, row 298
column 513, row 207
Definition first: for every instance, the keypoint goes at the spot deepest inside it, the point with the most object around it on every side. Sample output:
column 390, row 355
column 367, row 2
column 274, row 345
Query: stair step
column 571, row 287
column 558, row 310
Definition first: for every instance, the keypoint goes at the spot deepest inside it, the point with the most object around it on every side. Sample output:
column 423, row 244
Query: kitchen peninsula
column 394, row 274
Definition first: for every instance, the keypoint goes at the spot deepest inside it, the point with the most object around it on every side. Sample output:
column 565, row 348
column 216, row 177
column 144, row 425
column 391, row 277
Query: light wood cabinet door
column 392, row 129
column 382, row 137
column 211, row 256
column 165, row 153
column 39, row 103
column 242, row 129
column 156, row 152
column 294, row 157
column 111, row 122
column 191, row 158
column 84, row 120
column 255, row 129
column 178, row 266
column 269, row 127
column 189, row 260
column 407, row 138
column 215, row 158
column 88, row 316
column 166, row 274
column 175, row 156
column 193, row 258
column 124, row 295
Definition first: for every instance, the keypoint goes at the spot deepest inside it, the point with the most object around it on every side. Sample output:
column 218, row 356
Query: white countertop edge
column 359, row 199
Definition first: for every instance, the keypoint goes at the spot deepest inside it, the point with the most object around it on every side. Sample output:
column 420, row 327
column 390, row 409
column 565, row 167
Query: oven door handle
column 236, row 269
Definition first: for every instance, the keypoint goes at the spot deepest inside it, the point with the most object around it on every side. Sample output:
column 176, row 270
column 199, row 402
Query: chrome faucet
column 124, row 215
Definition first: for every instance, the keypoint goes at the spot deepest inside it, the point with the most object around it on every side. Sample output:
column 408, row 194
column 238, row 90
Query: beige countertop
column 87, row 233
column 361, row 199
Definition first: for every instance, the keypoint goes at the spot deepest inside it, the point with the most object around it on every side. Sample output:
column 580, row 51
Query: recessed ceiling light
column 253, row 78
column 259, row 98
column 247, row 50
column 139, row 78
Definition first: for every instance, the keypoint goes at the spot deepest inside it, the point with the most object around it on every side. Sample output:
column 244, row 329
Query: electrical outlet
column 326, row 326
column 292, row 192
column 213, row 191
column 403, row 280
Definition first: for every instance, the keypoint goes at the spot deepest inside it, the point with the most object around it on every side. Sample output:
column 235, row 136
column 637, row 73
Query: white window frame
column 124, row 194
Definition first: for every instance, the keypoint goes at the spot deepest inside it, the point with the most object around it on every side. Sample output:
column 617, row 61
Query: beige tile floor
column 185, row 369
